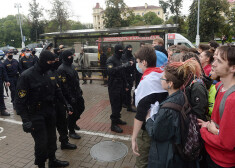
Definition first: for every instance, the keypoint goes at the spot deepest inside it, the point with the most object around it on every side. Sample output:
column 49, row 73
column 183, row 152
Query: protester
column 164, row 124
column 219, row 133
column 203, row 47
column 206, row 58
column 149, row 91
column 161, row 52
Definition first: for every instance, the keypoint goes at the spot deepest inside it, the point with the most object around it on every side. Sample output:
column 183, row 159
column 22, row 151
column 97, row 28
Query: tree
column 173, row 5
column 114, row 13
column 60, row 13
column 182, row 24
column 211, row 18
column 35, row 12
column 151, row 18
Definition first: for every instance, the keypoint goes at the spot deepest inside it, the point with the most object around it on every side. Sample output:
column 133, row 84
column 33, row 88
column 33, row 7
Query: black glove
column 127, row 64
column 73, row 100
column 69, row 108
column 27, row 126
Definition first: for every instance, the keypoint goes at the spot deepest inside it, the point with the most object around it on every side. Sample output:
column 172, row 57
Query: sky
column 81, row 10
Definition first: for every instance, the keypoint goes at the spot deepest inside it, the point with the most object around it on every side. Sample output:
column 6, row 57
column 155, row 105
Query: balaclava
column 128, row 52
column 43, row 58
column 65, row 55
column 117, row 52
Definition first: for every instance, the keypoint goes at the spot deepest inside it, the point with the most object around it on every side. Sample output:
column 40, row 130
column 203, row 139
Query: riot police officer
column 116, row 83
column 3, row 78
column 27, row 61
column 36, row 90
column 13, row 70
column 61, row 119
column 71, row 90
column 129, row 72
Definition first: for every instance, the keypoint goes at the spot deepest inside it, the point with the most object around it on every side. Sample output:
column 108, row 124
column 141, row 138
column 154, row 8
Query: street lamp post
column 18, row 5
column 198, row 15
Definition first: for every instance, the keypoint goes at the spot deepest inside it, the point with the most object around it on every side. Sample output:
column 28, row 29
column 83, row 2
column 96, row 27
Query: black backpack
column 191, row 143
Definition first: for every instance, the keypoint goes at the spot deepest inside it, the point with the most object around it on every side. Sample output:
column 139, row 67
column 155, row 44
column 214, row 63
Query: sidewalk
column 17, row 148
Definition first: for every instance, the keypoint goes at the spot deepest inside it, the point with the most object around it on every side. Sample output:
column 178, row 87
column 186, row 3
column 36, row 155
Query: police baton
column 6, row 88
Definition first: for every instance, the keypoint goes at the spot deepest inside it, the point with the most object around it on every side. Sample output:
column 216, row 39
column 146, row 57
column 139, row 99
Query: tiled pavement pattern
column 17, row 149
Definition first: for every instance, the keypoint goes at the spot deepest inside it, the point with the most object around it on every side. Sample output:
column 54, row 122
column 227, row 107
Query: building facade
column 98, row 13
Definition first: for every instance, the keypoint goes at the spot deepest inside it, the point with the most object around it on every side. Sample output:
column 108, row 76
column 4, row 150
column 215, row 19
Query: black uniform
column 26, row 63
column 71, row 90
column 13, row 70
column 3, row 78
column 129, row 72
column 116, row 84
column 103, row 59
column 61, row 116
column 36, row 91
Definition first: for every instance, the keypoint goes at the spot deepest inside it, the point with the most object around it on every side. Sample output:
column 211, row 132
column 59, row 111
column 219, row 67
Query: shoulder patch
column 63, row 79
column 52, row 78
column 22, row 93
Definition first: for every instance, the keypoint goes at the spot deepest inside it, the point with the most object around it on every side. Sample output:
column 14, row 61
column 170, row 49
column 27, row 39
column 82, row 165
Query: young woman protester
column 164, row 126
column 206, row 59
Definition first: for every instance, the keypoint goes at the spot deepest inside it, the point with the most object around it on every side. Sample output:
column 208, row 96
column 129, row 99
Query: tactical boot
column 77, row 127
column 4, row 113
column 120, row 122
column 53, row 163
column 67, row 145
column 74, row 136
column 116, row 128
column 131, row 109
column 41, row 165
column 124, row 105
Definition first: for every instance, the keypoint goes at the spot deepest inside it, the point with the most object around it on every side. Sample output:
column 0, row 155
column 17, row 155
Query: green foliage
column 60, row 13
column 183, row 25
column 211, row 18
column 35, row 12
column 151, row 18
column 173, row 5
column 113, row 13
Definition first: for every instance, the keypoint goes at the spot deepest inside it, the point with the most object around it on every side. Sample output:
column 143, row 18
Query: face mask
column 10, row 56
column 27, row 54
column 138, row 69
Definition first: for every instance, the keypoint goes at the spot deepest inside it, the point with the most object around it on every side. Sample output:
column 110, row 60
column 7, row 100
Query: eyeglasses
column 163, row 79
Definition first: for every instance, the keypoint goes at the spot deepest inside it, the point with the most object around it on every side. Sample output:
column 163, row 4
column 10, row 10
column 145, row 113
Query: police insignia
column 110, row 66
column 63, row 79
column 52, row 78
column 22, row 93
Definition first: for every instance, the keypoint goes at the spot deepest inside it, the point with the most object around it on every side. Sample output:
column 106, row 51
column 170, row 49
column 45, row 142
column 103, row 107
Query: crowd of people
column 183, row 101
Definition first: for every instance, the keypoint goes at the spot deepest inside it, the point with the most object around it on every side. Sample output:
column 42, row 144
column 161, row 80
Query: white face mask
column 27, row 54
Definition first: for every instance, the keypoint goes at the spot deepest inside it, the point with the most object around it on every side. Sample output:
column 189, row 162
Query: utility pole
column 198, row 16
column 18, row 5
